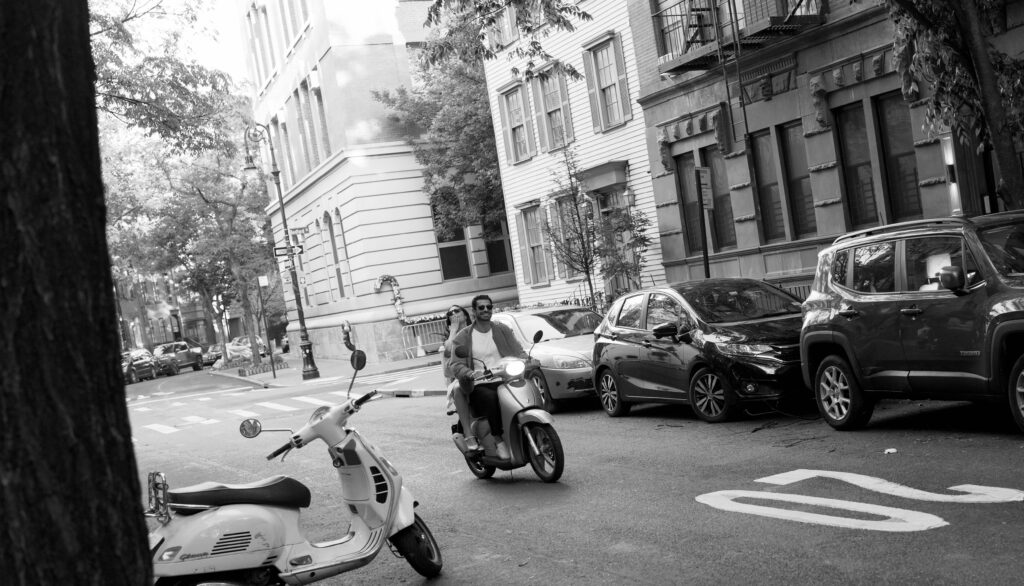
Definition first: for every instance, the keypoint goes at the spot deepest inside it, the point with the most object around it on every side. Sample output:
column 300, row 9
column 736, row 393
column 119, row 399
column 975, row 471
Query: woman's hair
column 454, row 308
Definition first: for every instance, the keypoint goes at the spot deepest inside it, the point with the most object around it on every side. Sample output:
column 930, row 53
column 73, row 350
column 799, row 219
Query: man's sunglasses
column 484, row 307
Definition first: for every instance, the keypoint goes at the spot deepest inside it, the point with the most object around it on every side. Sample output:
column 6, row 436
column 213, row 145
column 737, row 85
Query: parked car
column 715, row 345
column 564, row 351
column 212, row 353
column 137, row 365
column 181, row 353
column 922, row 309
column 244, row 341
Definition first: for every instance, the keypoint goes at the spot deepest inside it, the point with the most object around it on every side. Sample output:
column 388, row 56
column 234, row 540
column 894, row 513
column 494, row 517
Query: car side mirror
column 666, row 330
column 952, row 278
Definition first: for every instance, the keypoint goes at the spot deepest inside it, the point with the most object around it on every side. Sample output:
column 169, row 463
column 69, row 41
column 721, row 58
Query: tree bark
column 1000, row 134
column 71, row 500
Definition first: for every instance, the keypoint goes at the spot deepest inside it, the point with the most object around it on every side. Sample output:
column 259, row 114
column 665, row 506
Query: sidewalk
column 331, row 369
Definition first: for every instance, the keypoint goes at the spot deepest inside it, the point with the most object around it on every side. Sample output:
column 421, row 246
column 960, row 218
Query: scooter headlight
column 515, row 367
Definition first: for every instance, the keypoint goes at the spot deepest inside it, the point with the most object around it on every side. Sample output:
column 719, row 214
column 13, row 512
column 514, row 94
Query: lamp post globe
column 255, row 134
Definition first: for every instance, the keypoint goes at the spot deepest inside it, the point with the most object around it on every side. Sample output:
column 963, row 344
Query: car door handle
column 912, row 311
column 848, row 312
column 646, row 343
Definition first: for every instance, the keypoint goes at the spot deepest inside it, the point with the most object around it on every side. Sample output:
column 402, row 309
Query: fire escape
column 697, row 35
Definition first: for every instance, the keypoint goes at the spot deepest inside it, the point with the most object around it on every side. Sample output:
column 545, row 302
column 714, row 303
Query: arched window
column 335, row 258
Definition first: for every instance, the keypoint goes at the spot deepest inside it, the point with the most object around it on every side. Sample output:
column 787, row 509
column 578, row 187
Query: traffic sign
column 284, row 250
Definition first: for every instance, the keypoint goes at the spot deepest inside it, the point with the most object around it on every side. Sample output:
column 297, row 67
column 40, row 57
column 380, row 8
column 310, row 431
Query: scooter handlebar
column 280, row 451
column 361, row 400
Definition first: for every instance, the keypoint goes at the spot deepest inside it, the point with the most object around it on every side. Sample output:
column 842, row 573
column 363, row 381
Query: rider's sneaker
column 472, row 445
column 502, row 448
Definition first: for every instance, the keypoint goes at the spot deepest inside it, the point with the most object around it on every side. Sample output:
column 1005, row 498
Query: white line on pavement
column 162, row 428
column 198, row 419
column 401, row 380
column 313, row 401
column 278, row 406
column 143, row 409
column 244, row 413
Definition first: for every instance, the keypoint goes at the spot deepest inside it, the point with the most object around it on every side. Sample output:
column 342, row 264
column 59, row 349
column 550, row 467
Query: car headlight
column 745, row 349
column 567, row 361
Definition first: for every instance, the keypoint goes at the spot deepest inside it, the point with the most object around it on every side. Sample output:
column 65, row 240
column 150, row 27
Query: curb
column 271, row 384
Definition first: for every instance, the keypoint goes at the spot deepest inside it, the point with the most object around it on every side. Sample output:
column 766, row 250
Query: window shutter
column 595, row 104
column 555, row 226
column 540, row 112
column 531, row 143
column 549, row 264
column 506, row 133
column 566, row 114
column 524, row 254
column 620, row 67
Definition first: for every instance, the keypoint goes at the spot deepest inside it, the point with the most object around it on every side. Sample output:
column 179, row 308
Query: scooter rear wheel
column 417, row 545
column 551, row 461
column 479, row 469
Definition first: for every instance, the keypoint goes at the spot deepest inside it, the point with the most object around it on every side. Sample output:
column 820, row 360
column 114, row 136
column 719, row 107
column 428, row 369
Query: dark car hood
column 782, row 330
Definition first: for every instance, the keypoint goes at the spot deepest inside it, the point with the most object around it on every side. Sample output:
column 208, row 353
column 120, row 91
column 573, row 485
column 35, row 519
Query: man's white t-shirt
column 485, row 349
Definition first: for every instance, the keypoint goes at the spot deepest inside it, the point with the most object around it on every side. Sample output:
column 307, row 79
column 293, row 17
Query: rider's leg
column 462, row 408
column 484, row 400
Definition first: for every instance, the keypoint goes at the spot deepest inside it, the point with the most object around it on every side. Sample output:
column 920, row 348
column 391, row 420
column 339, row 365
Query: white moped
column 248, row 534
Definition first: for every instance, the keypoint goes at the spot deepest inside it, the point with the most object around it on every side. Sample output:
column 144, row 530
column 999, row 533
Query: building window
column 606, row 84
column 308, row 125
column 798, row 181
column 335, row 257
column 302, row 270
column 317, row 100
column 898, row 158
column 304, row 137
column 454, row 256
column 857, row 172
column 498, row 259
column 516, row 127
column 505, row 31
column 551, row 101
column 768, row 198
column 687, row 185
column 537, row 267
column 570, row 218
column 724, row 229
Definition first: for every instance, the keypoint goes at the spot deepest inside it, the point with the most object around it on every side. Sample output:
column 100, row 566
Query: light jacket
column 504, row 340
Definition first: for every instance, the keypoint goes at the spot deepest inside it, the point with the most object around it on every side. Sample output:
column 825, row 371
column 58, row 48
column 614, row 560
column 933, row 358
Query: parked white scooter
column 248, row 534
column 529, row 429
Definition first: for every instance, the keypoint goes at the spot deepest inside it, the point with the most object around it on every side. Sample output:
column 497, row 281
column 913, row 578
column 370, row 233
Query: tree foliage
column 145, row 82
column 458, row 152
column 975, row 88
column 534, row 19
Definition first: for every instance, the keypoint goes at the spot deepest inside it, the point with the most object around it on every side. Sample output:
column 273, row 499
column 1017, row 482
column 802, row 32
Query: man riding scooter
column 484, row 343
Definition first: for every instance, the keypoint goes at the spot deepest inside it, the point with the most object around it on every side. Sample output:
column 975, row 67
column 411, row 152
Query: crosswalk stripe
column 162, row 428
column 313, row 401
column 244, row 413
column 204, row 398
column 143, row 409
column 178, row 404
column 198, row 419
column 401, row 380
column 278, row 406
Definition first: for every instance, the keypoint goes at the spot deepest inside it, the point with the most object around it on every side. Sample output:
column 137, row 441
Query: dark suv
column 924, row 309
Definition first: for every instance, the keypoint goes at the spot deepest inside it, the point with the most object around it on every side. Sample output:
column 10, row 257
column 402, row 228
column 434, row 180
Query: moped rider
column 457, row 318
column 484, row 343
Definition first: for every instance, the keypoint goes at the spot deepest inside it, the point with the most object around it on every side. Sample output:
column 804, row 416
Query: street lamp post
column 255, row 134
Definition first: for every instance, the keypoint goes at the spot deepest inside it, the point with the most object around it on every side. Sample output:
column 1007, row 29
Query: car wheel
column 197, row 366
column 711, row 396
column 608, row 393
column 132, row 377
column 547, row 401
column 1016, row 393
column 841, row 402
column 173, row 369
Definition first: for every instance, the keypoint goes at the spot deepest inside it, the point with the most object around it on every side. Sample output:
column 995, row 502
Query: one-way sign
column 283, row 250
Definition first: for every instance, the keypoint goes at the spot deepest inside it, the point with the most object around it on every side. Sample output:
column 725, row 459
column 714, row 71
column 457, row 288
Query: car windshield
column 161, row 350
column 1005, row 247
column 729, row 301
column 561, row 323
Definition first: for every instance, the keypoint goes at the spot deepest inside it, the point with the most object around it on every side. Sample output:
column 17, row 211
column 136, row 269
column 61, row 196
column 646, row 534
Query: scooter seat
column 281, row 491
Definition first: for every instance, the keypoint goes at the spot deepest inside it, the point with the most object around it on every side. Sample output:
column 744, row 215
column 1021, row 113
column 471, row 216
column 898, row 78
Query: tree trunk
column 71, row 500
column 1000, row 134
column 250, row 328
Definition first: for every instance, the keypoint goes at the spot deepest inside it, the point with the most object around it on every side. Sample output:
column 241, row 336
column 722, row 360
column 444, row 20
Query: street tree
column 145, row 78
column 534, row 20
column 590, row 239
column 71, row 498
column 457, row 150
column 975, row 87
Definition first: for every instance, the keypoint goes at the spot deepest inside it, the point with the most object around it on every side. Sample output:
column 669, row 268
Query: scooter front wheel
column 479, row 469
column 417, row 545
column 551, row 461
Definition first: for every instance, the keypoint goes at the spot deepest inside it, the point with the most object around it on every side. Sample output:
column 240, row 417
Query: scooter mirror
column 358, row 360
column 250, row 428
column 538, row 336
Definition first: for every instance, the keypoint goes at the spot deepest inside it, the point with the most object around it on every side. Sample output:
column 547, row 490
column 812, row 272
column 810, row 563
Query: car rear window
column 630, row 314
column 874, row 268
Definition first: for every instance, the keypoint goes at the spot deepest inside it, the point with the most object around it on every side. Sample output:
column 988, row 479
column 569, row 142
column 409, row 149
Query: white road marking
column 143, row 409
column 197, row 419
column 313, row 401
column 178, row 404
column 244, row 413
column 278, row 406
column 975, row 493
column 163, row 393
column 895, row 520
column 401, row 380
column 162, row 428
column 204, row 398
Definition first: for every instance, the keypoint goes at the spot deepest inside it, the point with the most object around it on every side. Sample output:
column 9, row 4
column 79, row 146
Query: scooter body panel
column 231, row 537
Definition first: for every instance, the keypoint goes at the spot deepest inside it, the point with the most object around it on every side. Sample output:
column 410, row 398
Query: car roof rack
column 934, row 222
